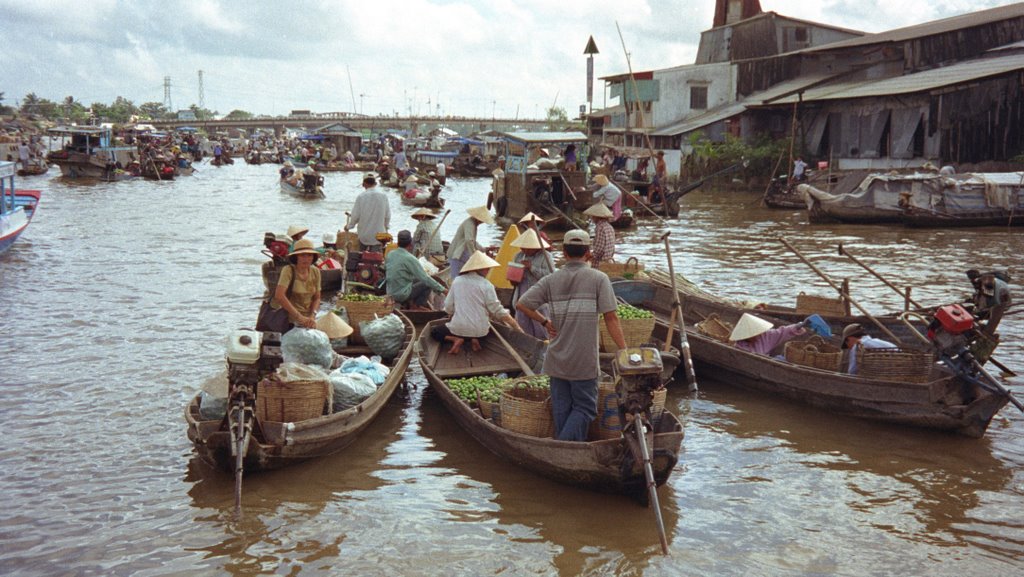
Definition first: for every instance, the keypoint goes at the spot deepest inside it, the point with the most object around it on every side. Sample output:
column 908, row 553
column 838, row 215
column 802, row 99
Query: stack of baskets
column 607, row 424
column 526, row 410
column 291, row 401
column 813, row 304
column 715, row 328
column 895, row 365
column 814, row 353
column 362, row 311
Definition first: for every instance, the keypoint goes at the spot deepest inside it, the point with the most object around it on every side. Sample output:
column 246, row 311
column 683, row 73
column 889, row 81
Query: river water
column 114, row 308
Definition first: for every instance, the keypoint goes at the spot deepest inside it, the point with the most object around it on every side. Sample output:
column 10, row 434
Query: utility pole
column 202, row 99
column 167, row 94
column 590, row 51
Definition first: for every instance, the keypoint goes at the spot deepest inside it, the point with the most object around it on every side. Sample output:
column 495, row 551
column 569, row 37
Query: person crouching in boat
column 407, row 283
column 578, row 296
column 609, row 194
column 855, row 338
column 472, row 303
column 537, row 263
column 757, row 335
column 298, row 289
column 464, row 242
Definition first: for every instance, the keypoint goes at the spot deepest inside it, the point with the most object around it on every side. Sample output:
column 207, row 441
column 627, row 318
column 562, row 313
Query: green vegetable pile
column 466, row 388
column 360, row 297
column 627, row 312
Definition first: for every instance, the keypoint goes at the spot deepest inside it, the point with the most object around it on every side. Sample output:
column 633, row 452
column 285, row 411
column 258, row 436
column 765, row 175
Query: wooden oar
column 527, row 371
column 433, row 233
column 677, row 312
column 844, row 252
column 839, row 289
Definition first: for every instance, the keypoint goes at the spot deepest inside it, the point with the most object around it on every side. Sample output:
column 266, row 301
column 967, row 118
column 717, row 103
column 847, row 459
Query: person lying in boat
column 472, row 303
column 855, row 338
column 407, row 283
column 759, row 336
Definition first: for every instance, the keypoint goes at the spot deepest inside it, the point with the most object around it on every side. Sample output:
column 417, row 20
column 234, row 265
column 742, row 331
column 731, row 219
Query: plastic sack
column 288, row 372
column 384, row 335
column 308, row 347
column 373, row 369
column 211, row 407
column 350, row 389
column 428, row 267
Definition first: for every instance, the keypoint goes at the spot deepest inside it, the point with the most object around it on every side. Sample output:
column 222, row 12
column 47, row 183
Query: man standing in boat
column 371, row 214
column 578, row 295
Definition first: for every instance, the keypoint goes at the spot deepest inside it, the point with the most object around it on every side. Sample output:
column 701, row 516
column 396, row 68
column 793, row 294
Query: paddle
column 839, row 289
column 527, row 371
column 677, row 312
column 433, row 233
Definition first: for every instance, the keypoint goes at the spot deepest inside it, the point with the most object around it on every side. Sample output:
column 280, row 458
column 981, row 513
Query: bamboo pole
column 905, row 294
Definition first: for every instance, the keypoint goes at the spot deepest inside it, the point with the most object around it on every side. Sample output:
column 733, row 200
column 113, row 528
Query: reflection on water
column 116, row 302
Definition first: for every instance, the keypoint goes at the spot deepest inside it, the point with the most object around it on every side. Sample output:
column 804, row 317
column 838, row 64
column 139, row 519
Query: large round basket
column 527, row 411
column 895, row 365
column 815, row 353
column 814, row 304
column 607, row 424
column 362, row 311
column 290, row 401
column 627, row 270
column 636, row 332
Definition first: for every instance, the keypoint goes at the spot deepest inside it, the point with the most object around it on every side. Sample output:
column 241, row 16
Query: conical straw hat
column 481, row 213
column 601, row 180
column 599, row 210
column 530, row 217
column 529, row 239
column 424, row 213
column 478, row 261
column 296, row 229
column 749, row 327
column 333, row 326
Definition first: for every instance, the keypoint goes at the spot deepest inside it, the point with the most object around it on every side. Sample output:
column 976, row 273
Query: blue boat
column 16, row 207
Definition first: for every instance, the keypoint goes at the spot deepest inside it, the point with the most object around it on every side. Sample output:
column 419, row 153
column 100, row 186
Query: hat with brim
column 601, row 180
column 370, row 177
column 330, row 238
column 749, row 327
column 296, row 230
column 303, row 246
column 411, row 180
column 576, row 237
column 481, row 213
column 530, row 217
column 424, row 213
column 333, row 326
column 853, row 330
column 478, row 261
column 599, row 210
column 530, row 239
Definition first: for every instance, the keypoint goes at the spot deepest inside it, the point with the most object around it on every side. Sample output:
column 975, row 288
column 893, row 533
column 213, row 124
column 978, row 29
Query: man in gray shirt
column 371, row 214
column 577, row 295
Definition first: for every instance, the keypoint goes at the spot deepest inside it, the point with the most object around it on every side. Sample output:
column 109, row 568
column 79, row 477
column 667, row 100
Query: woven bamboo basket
column 814, row 304
column 814, row 352
column 635, row 332
column 291, row 401
column 487, row 408
column 362, row 311
column 527, row 411
column 628, row 270
column 715, row 328
column 607, row 424
column 895, row 365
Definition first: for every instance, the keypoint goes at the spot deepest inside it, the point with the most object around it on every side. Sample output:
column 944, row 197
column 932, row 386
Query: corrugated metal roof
column 910, row 83
column 540, row 137
column 701, row 120
column 929, row 28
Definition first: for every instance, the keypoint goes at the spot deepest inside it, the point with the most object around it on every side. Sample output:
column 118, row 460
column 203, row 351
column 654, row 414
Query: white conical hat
column 296, row 229
column 530, row 239
column 599, row 210
column 411, row 179
column 530, row 217
column 333, row 326
column 478, row 261
column 749, row 326
column 481, row 213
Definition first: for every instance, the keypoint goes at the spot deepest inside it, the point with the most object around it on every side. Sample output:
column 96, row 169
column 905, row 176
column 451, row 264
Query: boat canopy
column 311, row 137
column 534, row 138
column 464, row 140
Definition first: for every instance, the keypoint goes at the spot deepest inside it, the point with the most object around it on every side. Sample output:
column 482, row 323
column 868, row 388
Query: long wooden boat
column 301, row 192
column 17, row 207
column 275, row 445
column 945, row 402
column 605, row 466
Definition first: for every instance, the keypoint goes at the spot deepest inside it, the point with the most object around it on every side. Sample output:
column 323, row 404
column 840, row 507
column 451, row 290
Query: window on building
column 800, row 34
column 698, row 97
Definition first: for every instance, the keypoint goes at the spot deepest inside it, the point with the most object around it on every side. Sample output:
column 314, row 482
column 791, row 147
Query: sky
column 483, row 58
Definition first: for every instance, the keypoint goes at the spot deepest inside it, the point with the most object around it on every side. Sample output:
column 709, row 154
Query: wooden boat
column 944, row 402
column 604, row 466
column 17, row 207
column 422, row 197
column 89, row 153
column 159, row 168
column 301, row 191
column 275, row 445
column 37, row 167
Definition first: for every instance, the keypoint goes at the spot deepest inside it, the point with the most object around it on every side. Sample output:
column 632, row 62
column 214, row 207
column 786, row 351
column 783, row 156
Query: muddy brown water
column 115, row 305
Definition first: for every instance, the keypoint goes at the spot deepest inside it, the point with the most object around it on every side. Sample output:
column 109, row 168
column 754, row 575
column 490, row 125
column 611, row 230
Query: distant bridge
column 374, row 124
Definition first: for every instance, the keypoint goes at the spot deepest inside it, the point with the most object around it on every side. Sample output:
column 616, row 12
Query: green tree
column 557, row 114
column 202, row 113
column 238, row 115
column 122, row 110
column 4, row 109
column 154, row 110
column 30, row 104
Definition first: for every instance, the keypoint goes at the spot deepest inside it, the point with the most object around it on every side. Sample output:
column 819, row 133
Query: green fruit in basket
column 630, row 312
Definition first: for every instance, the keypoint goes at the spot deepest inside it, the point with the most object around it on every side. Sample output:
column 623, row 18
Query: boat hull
column 14, row 223
column 300, row 192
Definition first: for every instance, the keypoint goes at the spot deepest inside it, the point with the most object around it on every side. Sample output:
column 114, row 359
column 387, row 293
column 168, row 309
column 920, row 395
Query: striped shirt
column 578, row 296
